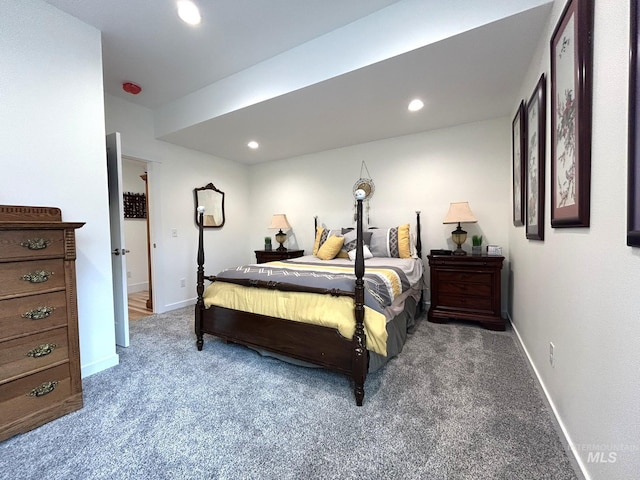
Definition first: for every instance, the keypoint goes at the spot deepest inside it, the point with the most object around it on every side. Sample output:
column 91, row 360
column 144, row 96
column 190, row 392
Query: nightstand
column 263, row 256
column 466, row 287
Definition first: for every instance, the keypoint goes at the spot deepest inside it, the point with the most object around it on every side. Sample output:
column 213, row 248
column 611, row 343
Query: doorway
column 137, row 231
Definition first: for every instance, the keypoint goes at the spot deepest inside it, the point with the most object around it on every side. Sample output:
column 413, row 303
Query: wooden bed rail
column 282, row 286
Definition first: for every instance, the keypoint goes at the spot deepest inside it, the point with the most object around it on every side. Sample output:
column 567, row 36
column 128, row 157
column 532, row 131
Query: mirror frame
column 209, row 186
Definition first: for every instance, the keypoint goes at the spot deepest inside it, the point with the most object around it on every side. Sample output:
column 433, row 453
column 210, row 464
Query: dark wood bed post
column 418, row 240
column 200, row 281
column 360, row 356
column 419, row 252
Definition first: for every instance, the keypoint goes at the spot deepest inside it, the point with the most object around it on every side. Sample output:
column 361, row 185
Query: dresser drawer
column 32, row 314
column 467, row 289
column 465, row 302
column 29, row 244
column 482, row 278
column 14, row 277
column 33, row 352
column 39, row 391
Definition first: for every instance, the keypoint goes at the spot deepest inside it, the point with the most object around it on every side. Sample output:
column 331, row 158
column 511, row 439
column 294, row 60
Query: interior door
column 118, row 250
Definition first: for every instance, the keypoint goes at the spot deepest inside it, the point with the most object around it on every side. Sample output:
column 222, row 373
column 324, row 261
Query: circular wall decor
column 365, row 184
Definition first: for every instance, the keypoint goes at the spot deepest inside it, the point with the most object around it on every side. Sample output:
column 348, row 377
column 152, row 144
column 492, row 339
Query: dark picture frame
column 536, row 112
column 518, row 136
column 633, row 170
column 571, row 92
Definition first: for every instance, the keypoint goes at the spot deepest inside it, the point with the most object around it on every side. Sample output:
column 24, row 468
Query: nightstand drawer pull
column 42, row 350
column 46, row 387
column 38, row 313
column 39, row 276
column 36, row 243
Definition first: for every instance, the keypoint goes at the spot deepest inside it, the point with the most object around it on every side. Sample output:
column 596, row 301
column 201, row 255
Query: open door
column 118, row 250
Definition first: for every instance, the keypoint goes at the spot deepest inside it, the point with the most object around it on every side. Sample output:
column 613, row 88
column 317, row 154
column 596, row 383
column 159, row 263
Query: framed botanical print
column 571, row 79
column 517, row 153
column 633, row 171
column 534, row 161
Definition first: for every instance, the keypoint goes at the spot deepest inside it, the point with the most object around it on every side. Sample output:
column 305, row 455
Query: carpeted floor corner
column 459, row 403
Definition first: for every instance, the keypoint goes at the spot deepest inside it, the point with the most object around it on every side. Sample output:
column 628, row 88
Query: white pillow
column 366, row 253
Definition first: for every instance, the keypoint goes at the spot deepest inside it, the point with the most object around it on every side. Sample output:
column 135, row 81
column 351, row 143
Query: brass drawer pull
column 46, row 387
column 39, row 276
column 36, row 243
column 42, row 350
column 38, row 313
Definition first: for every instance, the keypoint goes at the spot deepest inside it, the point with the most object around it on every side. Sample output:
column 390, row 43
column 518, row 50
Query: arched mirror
column 212, row 200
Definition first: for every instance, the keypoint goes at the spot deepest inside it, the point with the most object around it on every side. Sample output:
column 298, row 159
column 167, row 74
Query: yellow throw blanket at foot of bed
column 324, row 310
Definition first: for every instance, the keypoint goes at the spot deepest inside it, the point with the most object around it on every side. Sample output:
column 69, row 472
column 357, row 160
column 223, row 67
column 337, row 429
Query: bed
column 265, row 306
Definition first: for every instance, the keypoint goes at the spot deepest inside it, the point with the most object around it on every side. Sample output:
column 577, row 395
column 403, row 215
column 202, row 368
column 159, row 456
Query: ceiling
column 467, row 77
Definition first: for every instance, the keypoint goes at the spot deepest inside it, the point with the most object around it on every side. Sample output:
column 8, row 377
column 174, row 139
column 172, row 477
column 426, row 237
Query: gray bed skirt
column 397, row 330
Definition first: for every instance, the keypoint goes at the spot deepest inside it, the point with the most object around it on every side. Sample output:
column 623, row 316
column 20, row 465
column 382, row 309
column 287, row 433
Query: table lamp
column 459, row 212
column 279, row 220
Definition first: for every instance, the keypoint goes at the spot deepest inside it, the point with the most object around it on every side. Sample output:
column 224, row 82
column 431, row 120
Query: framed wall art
column 571, row 79
column 633, row 171
column 534, row 161
column 517, row 153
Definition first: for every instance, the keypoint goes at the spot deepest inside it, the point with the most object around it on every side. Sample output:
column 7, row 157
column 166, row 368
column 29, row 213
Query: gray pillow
column 351, row 237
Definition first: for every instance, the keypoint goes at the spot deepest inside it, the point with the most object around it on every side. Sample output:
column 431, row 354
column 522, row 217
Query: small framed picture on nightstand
column 494, row 250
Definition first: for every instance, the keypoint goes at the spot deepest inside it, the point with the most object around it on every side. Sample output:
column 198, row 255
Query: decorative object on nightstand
column 459, row 212
column 476, row 242
column 279, row 220
column 267, row 244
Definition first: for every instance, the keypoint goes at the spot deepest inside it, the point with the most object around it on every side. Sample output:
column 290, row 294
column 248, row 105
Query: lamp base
column 281, row 237
column 459, row 251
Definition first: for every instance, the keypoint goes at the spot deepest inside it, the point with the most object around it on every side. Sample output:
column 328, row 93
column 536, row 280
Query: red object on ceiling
column 131, row 88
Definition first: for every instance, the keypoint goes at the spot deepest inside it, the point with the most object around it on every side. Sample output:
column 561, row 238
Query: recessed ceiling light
column 188, row 12
column 253, row 144
column 415, row 105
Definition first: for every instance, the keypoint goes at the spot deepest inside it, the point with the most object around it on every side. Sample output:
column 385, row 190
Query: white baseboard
column 137, row 287
column 174, row 306
column 100, row 365
column 566, row 435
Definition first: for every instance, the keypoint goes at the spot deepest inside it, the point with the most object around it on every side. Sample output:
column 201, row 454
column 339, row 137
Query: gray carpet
column 458, row 403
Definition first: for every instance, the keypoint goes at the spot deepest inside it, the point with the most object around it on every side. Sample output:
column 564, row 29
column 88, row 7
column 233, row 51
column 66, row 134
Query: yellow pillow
column 404, row 243
column 330, row 248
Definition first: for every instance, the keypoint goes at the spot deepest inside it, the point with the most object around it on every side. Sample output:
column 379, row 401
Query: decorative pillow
column 391, row 242
column 350, row 241
column 330, row 247
column 321, row 236
column 366, row 253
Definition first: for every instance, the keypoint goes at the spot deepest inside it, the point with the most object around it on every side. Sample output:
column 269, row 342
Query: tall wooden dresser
column 39, row 349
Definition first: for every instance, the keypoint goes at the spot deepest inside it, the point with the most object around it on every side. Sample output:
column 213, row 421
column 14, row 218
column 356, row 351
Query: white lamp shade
column 279, row 221
column 460, row 212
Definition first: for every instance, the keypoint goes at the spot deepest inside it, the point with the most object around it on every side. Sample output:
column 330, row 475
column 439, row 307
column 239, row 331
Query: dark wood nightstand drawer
column 468, row 302
column 263, row 256
column 468, row 289
column 466, row 277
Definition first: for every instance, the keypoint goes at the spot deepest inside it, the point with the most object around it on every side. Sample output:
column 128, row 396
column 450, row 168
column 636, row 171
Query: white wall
column 53, row 148
column 135, row 230
column 579, row 288
column 423, row 172
column 173, row 173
